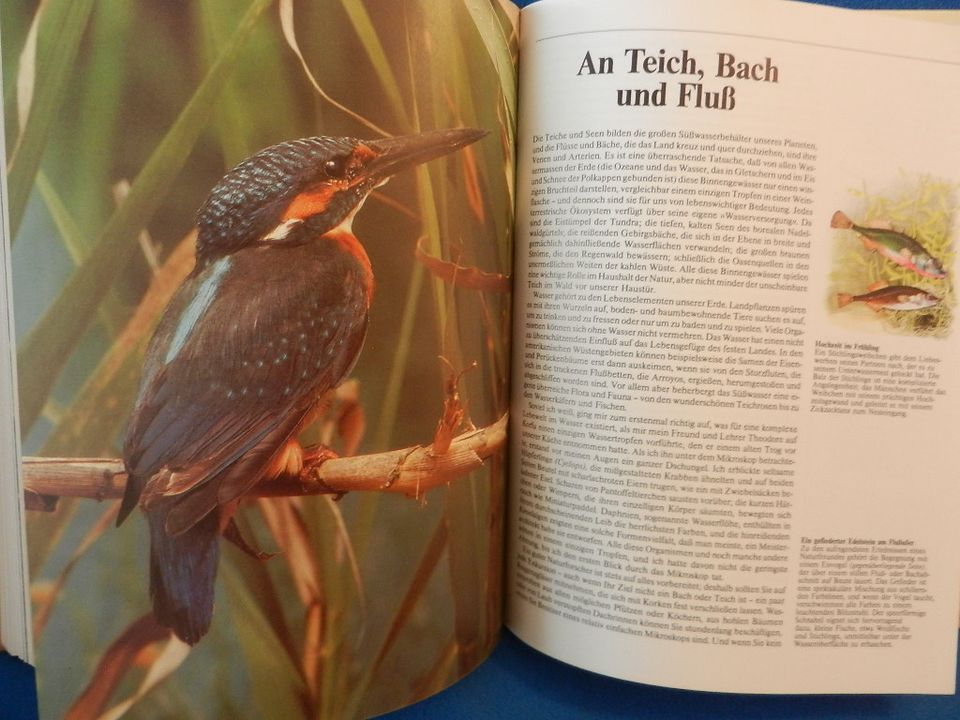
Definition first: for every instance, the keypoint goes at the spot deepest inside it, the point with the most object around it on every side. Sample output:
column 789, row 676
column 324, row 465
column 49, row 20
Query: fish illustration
column 894, row 246
column 890, row 297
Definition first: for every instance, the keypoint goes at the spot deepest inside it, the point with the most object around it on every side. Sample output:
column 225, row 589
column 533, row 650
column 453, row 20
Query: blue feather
column 197, row 307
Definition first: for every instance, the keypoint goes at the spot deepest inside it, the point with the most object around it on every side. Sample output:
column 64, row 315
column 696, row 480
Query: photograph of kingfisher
column 271, row 318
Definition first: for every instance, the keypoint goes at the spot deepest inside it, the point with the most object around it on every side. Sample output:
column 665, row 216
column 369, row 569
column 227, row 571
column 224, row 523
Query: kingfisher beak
column 399, row 153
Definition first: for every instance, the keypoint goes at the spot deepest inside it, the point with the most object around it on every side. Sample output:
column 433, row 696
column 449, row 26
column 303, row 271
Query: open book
column 731, row 389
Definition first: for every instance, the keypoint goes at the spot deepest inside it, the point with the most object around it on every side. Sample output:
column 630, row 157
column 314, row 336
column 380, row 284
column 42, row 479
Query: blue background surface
column 517, row 681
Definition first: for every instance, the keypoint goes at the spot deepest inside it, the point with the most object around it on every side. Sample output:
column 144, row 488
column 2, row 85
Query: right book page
column 736, row 353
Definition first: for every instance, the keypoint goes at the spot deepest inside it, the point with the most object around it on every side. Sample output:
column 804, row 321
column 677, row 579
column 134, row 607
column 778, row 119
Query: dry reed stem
column 410, row 471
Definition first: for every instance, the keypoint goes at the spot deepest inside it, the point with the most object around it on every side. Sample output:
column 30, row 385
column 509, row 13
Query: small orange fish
column 894, row 246
column 891, row 297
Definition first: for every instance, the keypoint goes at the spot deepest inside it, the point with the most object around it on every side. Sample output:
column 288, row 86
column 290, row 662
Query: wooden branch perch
column 411, row 471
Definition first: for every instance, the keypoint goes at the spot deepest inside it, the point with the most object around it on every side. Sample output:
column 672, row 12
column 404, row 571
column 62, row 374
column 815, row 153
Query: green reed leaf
column 46, row 348
column 61, row 29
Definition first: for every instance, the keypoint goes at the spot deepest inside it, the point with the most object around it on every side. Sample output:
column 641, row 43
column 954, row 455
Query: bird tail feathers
column 183, row 568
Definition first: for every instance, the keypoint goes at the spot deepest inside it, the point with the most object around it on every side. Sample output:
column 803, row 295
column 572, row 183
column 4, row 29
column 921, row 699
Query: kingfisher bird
column 272, row 317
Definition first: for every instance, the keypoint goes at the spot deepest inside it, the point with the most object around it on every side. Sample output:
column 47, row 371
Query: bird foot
column 232, row 533
column 313, row 458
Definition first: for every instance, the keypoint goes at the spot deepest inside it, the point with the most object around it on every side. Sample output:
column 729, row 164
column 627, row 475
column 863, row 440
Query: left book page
column 191, row 173
column 14, row 614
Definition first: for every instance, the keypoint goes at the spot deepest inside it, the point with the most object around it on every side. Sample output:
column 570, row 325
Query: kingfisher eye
column 334, row 168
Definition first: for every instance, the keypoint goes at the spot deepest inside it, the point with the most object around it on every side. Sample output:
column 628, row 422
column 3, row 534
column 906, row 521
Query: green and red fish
column 891, row 297
column 894, row 246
